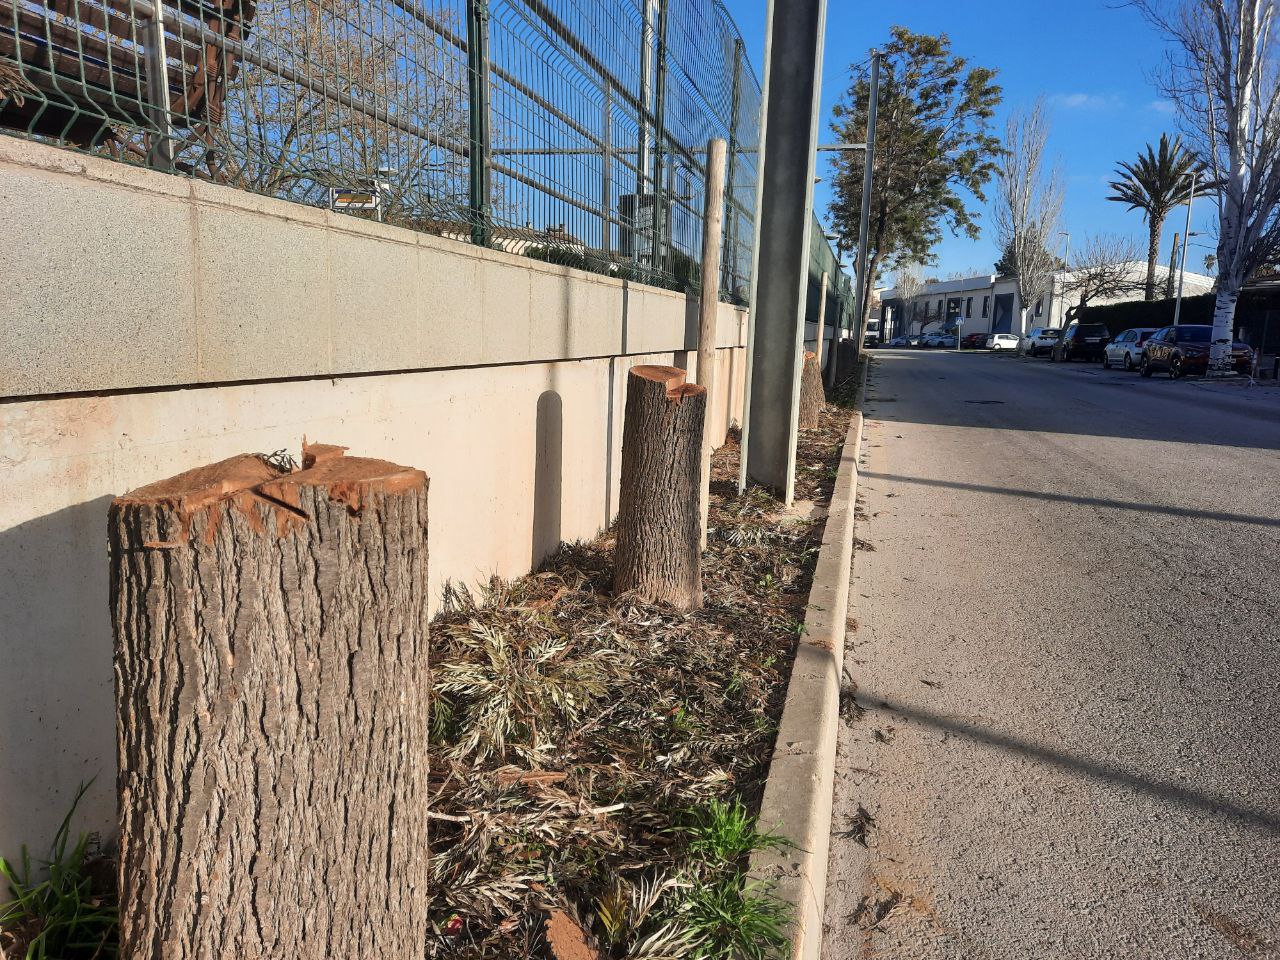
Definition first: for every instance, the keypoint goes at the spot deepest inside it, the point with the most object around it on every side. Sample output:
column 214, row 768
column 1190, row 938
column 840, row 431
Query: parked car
column 1002, row 341
column 914, row 340
column 1039, row 340
column 1081, row 341
column 1185, row 349
column 974, row 341
column 947, row 341
column 1126, row 349
column 898, row 342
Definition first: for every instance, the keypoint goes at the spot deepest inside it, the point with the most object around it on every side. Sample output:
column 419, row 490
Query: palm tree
column 1155, row 183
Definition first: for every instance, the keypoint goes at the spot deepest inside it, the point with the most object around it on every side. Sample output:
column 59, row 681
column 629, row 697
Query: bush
column 1119, row 317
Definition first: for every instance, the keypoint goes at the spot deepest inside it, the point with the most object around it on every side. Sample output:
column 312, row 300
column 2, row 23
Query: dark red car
column 973, row 341
column 1185, row 349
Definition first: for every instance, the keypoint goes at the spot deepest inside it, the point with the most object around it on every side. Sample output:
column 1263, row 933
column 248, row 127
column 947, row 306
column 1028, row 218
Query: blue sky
column 1091, row 62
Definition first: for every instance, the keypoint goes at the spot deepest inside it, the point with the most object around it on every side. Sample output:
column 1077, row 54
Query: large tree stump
column 272, row 710
column 659, row 520
column 811, row 395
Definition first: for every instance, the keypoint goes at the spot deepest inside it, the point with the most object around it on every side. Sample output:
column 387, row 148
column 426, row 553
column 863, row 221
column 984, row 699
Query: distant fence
column 569, row 130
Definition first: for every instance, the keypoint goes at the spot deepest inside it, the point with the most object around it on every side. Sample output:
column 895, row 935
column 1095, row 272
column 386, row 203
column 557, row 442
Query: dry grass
column 577, row 735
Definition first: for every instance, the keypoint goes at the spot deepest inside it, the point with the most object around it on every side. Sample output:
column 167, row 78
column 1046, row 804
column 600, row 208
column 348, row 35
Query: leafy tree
column 1155, row 183
column 1006, row 266
column 934, row 146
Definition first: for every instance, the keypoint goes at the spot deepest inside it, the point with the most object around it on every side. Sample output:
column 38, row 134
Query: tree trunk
column 811, row 396
column 272, row 711
column 658, row 556
column 1153, row 254
column 1224, row 318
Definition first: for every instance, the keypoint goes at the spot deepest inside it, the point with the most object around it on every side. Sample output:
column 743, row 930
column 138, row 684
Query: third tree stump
column 811, row 395
column 659, row 523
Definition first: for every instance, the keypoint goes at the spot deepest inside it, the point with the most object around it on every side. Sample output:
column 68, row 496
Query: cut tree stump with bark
column 659, row 523
column 812, row 398
column 272, row 698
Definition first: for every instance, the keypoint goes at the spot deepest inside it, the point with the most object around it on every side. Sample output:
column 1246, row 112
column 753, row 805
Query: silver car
column 1126, row 349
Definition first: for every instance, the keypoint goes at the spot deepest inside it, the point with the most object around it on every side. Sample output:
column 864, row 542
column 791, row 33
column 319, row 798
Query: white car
column 1002, row 341
column 1039, row 340
column 1126, row 349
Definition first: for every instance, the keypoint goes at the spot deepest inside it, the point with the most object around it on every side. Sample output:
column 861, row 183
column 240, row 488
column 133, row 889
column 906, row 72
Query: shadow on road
column 1187, row 512
column 1000, row 393
column 1170, row 792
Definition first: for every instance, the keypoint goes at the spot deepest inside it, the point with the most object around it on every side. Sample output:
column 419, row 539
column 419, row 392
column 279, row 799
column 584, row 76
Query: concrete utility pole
column 868, row 170
column 708, row 307
column 1182, row 271
column 780, row 274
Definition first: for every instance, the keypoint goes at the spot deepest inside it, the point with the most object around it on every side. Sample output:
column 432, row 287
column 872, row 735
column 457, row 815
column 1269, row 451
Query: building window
column 968, row 307
column 939, row 308
column 986, row 307
column 1040, row 307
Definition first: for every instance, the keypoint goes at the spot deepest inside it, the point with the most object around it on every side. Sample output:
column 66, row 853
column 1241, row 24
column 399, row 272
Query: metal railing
column 569, row 130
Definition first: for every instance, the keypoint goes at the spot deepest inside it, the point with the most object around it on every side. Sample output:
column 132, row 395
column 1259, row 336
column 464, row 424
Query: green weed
column 66, row 916
column 724, row 834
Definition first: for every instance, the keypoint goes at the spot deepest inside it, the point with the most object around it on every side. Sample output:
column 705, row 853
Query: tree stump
column 811, row 395
column 272, row 710
column 658, row 556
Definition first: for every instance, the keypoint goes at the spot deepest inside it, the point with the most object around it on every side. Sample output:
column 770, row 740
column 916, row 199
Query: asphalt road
column 1067, row 667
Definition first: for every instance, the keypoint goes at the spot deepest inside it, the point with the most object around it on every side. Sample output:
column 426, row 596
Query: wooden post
column 708, row 312
column 811, row 395
column 272, row 710
column 657, row 555
column 822, row 318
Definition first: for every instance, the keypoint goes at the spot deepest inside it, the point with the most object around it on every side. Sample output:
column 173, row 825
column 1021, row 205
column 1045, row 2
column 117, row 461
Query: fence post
column 478, row 76
column 729, row 260
column 659, row 132
column 709, row 311
column 160, row 153
column 606, row 172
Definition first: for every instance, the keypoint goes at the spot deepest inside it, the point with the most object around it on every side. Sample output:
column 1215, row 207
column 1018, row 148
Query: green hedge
column 1120, row 317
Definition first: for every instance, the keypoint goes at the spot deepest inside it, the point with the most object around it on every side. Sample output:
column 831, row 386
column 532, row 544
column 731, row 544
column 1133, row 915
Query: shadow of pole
column 1187, row 512
column 1169, row 792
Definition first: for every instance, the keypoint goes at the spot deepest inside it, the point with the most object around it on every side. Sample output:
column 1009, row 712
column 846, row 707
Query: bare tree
column 1028, row 205
column 283, row 138
column 1222, row 76
column 1102, row 269
column 910, row 284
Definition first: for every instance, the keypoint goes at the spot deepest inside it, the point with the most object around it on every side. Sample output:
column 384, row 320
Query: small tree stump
column 812, row 398
column 658, row 555
column 272, row 710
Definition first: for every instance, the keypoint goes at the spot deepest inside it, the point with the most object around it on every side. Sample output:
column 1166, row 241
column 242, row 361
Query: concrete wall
column 153, row 323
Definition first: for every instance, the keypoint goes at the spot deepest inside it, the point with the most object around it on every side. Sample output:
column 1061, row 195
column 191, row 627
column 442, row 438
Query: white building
column 989, row 303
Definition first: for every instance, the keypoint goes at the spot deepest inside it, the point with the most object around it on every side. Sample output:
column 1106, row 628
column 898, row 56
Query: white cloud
column 1085, row 101
column 1163, row 106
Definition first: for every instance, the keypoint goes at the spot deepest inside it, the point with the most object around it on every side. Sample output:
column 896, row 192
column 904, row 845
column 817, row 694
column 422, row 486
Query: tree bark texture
column 811, row 395
column 1155, row 228
column 272, row 710
column 658, row 556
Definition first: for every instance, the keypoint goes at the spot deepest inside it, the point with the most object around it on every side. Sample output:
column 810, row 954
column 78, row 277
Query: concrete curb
column 798, row 794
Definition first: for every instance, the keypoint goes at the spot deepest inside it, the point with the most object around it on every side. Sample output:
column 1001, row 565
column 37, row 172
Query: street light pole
column 1182, row 269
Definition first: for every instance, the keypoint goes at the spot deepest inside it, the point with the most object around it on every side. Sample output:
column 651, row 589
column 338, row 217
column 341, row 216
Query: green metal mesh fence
column 569, row 130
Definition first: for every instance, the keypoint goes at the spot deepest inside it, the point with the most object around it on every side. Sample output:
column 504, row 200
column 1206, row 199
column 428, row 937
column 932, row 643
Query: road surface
column 1066, row 729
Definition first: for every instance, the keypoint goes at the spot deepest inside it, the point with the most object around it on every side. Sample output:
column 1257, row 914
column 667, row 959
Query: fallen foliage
column 589, row 749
